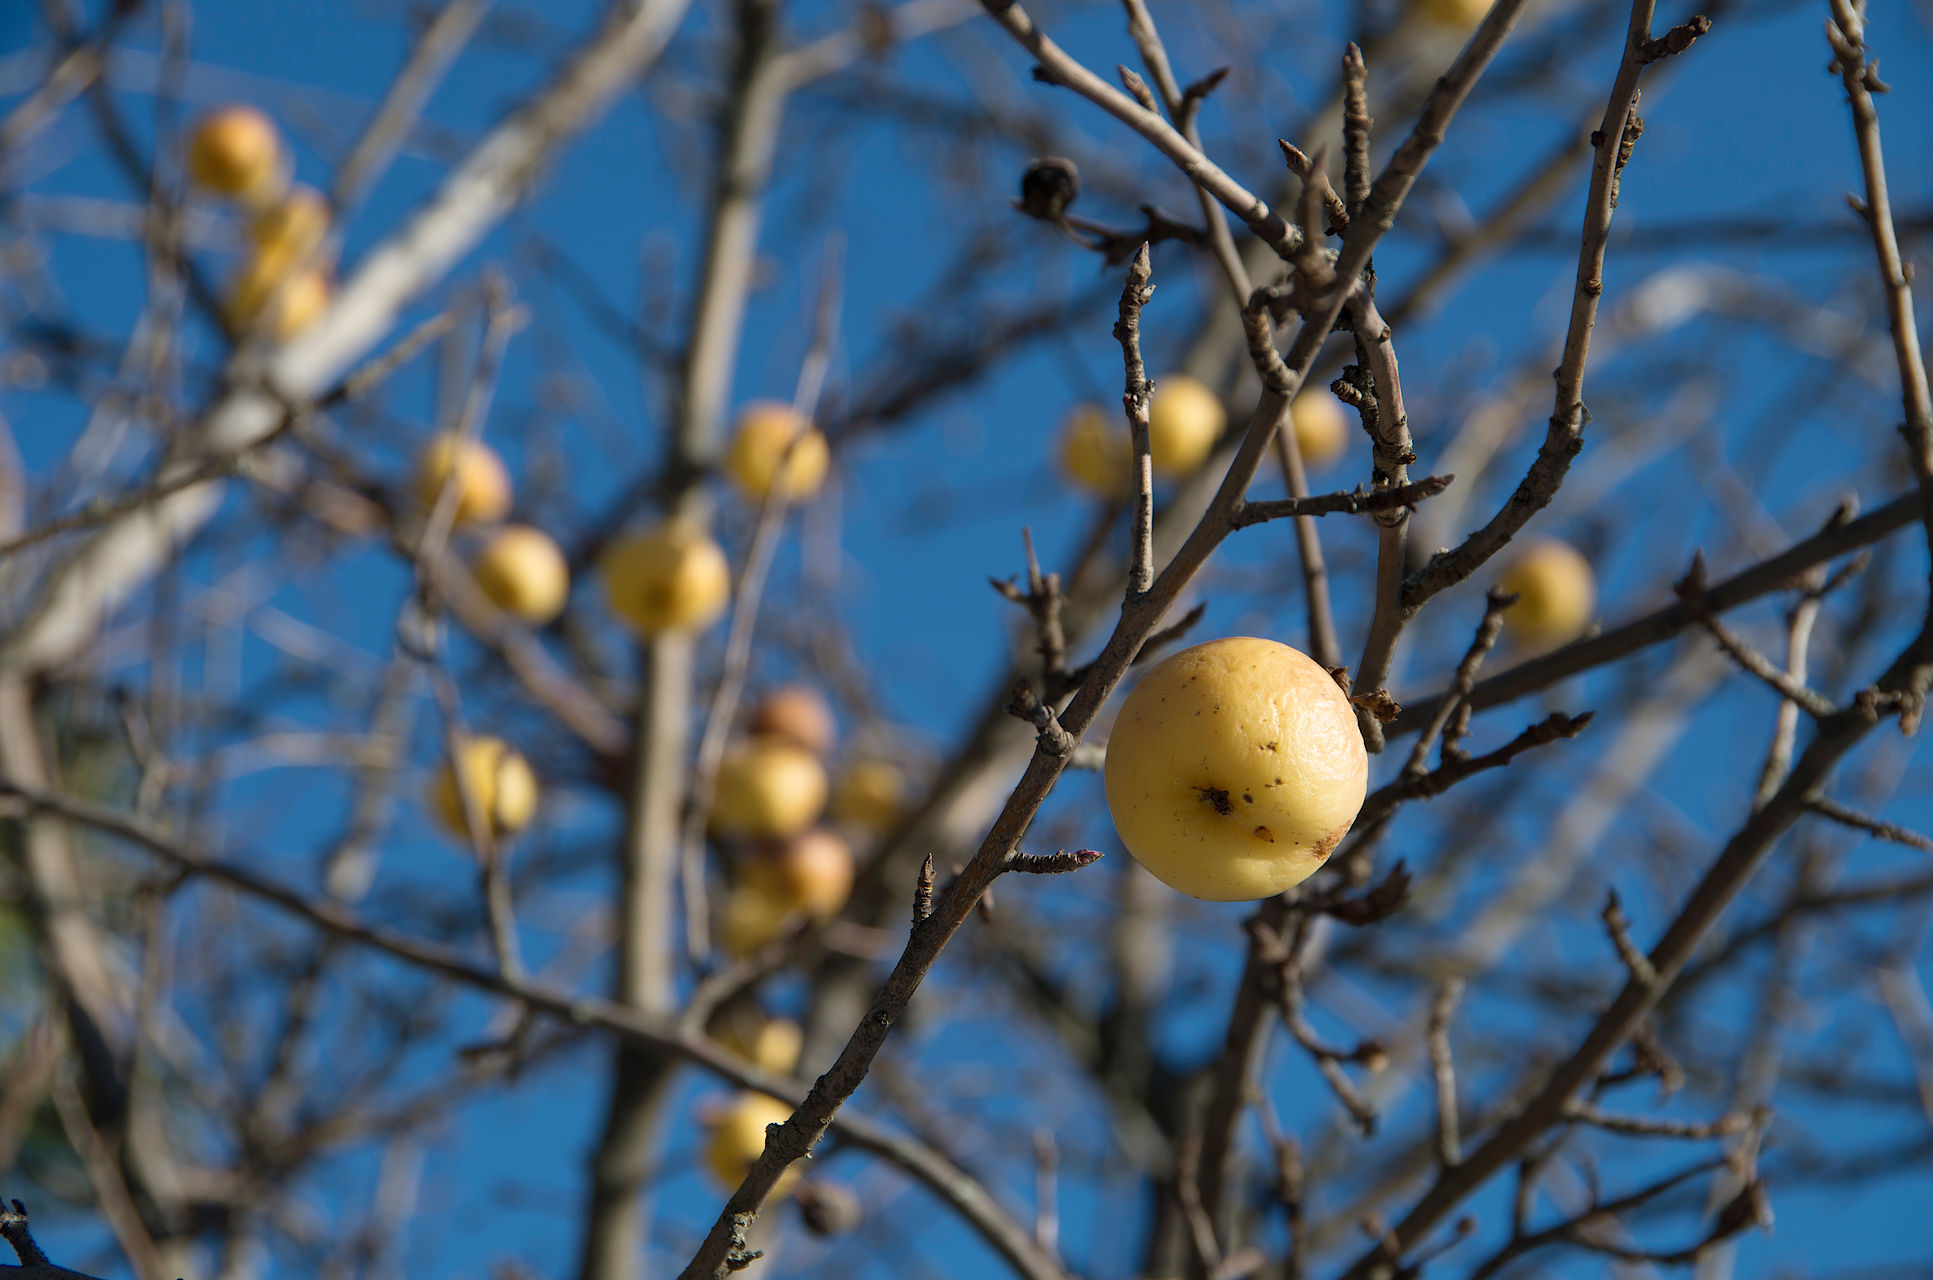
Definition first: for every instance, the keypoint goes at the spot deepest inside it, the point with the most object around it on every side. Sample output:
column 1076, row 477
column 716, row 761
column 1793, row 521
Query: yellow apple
column 869, row 795
column 777, row 1046
column 1185, row 419
column 499, row 780
column 797, row 712
column 749, row 918
column 524, row 572
column 1095, row 451
column 767, row 788
column 813, row 871
column 482, row 482
column 1555, row 591
column 295, row 225
column 1234, row 769
column 771, row 1044
column 738, row 1139
column 765, row 429
column 1459, row 14
column 299, row 294
column 671, row 577
column 304, row 299
column 236, row 151
column 1321, row 432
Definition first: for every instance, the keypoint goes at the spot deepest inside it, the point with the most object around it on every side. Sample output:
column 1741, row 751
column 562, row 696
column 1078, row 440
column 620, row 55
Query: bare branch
column 1135, row 399
column 1872, row 826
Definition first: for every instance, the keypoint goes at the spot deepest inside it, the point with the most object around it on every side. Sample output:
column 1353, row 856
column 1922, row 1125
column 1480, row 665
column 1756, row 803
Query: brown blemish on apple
column 1217, row 799
column 1265, row 835
column 1327, row 845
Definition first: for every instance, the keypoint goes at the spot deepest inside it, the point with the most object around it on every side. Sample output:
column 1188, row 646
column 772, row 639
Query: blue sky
column 1750, row 126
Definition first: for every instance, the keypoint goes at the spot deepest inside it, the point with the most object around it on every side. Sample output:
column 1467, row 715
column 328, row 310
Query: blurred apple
column 481, row 480
column 294, row 225
column 767, row 788
column 766, row 429
column 796, row 712
column 738, row 1139
column 499, row 780
column 812, row 871
column 750, row 918
column 272, row 278
column 770, row 1044
column 524, row 573
column 1555, row 591
column 1185, row 419
column 1095, row 451
column 1462, row 15
column 869, row 795
column 671, row 577
column 1321, row 431
column 236, row 151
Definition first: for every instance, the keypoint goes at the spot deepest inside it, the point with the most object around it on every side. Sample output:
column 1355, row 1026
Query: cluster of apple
column 772, row 790
column 523, row 571
column 771, row 794
column 284, row 284
column 520, row 568
column 671, row 576
column 1185, row 418
column 738, row 1127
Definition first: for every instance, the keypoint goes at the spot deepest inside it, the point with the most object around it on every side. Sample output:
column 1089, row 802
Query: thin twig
column 1635, row 963
column 435, row 50
column 1449, row 1145
column 1135, row 399
column 795, row 1138
column 1846, row 33
column 1285, row 956
column 104, row 1175
column 1046, row 1181
column 1798, row 642
column 102, row 575
column 1789, row 688
column 1614, row 643
column 1356, row 126
column 1355, row 503
column 1564, row 437
column 1184, row 107
column 657, row 1032
column 1551, row 728
column 1495, row 602
column 1870, row 825
column 1655, row 1126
